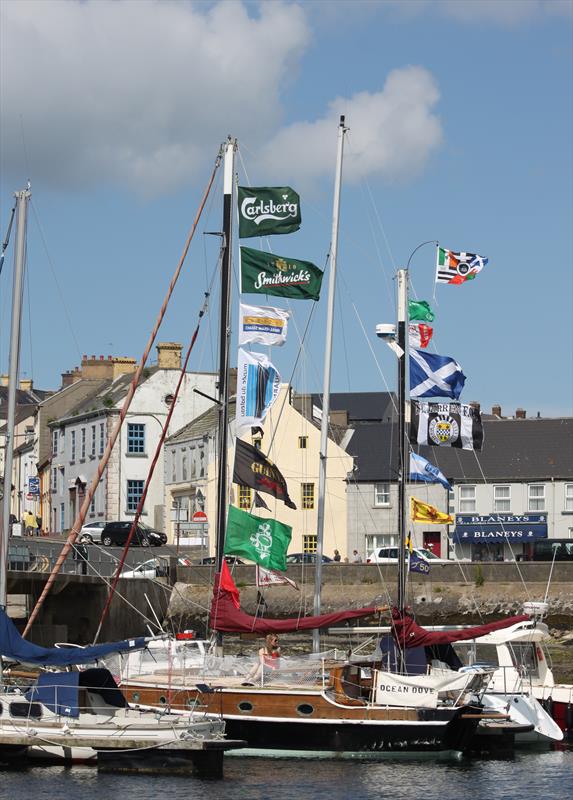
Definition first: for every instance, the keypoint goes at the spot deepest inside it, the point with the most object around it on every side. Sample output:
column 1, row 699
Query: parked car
column 151, row 569
column 117, row 533
column 91, row 532
column 212, row 560
column 305, row 558
column 161, row 535
column 389, row 555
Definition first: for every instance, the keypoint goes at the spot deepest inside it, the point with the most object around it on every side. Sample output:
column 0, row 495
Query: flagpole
column 326, row 383
column 402, row 277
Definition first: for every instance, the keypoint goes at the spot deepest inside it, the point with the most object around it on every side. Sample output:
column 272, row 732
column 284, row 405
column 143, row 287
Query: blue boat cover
column 58, row 691
column 12, row 646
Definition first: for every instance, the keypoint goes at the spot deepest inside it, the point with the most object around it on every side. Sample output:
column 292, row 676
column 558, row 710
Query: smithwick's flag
column 253, row 468
column 423, row 512
column 435, row 376
column 446, row 425
column 457, row 268
column 262, row 325
column 265, row 273
column 268, row 577
column 422, row 470
column 265, row 210
column 420, row 310
column 417, row 564
column 419, row 335
column 258, row 384
column 264, row 541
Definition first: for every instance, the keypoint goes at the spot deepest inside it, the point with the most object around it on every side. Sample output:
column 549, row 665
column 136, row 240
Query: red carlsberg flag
column 419, row 335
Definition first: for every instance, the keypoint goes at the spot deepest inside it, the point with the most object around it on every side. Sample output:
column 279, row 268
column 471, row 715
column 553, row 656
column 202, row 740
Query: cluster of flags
column 264, row 211
column 438, row 424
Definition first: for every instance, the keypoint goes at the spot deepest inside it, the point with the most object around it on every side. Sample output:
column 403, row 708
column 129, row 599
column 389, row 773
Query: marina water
column 530, row 775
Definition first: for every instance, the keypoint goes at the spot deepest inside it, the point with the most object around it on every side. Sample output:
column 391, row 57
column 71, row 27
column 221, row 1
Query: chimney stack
column 169, row 355
column 520, row 413
column 26, row 384
column 496, row 410
column 4, row 380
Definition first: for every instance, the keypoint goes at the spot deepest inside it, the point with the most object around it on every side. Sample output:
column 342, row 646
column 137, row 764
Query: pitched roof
column 513, row 450
column 362, row 407
column 205, row 423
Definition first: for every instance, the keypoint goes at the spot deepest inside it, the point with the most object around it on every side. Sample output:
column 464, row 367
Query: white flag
column 262, row 325
column 419, row 335
column 268, row 577
column 258, row 383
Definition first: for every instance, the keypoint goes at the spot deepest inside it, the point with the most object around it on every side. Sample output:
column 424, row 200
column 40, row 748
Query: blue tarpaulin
column 12, row 646
column 58, row 691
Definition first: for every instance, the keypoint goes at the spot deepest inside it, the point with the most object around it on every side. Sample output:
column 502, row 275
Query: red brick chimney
column 520, row 413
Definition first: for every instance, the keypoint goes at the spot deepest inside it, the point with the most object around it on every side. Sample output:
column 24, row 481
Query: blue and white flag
column 422, row 470
column 435, row 376
column 258, row 383
column 418, row 564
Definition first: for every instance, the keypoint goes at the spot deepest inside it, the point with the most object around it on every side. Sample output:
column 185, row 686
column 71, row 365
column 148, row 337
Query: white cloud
column 138, row 93
column 392, row 133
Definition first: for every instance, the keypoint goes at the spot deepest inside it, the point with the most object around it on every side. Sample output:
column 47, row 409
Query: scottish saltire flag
column 435, row 376
column 419, row 335
column 258, row 383
column 446, row 425
column 422, row 470
column 457, row 268
column 417, row 564
column 262, row 325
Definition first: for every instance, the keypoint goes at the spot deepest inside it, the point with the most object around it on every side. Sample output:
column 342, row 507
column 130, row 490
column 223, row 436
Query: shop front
column 497, row 537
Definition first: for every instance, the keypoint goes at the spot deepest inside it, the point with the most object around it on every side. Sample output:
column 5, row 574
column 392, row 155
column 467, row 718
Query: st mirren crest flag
column 262, row 325
column 265, row 210
column 258, row 383
column 457, row 268
column 446, row 425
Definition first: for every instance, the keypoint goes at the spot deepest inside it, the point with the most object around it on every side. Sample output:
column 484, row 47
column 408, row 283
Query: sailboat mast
column 224, row 342
column 22, row 199
column 326, row 382
column 402, row 278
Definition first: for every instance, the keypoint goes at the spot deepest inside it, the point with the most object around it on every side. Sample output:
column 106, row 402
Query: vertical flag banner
column 423, row 512
column 264, row 541
column 420, row 310
column 265, row 273
column 446, row 425
column 253, row 468
column 435, row 376
column 419, row 335
column 266, row 210
column 258, row 384
column 262, row 325
column 422, row 470
column 457, row 268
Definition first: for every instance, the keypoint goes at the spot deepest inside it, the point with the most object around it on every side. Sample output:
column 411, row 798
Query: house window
column 501, row 498
column 62, row 516
column 309, row 543
column 451, row 501
column 245, row 497
column 54, row 442
column 101, row 438
column 136, row 437
column 569, row 497
column 73, row 446
column 381, row 494
column 467, row 499
column 303, row 442
column 54, row 480
column 173, row 466
column 61, row 480
column 93, row 450
column 184, row 464
column 83, row 443
column 307, row 496
column 93, row 504
column 134, row 492
column 536, row 497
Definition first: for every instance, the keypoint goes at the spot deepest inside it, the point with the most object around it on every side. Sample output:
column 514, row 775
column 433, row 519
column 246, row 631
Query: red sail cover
column 408, row 633
column 227, row 618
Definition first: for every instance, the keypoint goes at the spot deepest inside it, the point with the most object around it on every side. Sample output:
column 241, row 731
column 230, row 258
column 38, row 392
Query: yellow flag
column 422, row 512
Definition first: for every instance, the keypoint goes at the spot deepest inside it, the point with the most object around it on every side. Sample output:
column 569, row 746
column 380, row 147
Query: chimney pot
column 520, row 413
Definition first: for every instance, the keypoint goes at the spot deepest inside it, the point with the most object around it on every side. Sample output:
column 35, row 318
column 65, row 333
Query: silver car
column 91, row 532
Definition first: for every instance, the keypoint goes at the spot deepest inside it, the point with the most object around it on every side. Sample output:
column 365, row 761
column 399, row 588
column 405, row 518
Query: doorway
column 433, row 542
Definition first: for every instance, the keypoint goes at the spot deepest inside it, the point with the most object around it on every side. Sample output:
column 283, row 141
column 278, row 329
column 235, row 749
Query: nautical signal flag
column 420, row 309
column 423, row 512
column 457, row 268
column 435, row 376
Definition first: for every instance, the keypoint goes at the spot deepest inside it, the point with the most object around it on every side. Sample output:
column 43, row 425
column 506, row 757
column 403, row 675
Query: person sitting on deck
column 269, row 656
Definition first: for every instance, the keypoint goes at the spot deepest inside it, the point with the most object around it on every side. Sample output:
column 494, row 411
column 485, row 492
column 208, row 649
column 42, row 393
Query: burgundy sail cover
column 227, row 618
column 408, row 633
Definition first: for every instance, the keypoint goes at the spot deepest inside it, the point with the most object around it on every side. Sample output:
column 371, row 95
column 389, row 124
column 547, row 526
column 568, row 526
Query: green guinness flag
column 264, row 541
column 265, row 273
column 420, row 309
column 268, row 210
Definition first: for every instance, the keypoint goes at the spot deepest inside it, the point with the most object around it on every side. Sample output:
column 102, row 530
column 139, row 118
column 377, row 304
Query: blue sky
column 460, row 117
